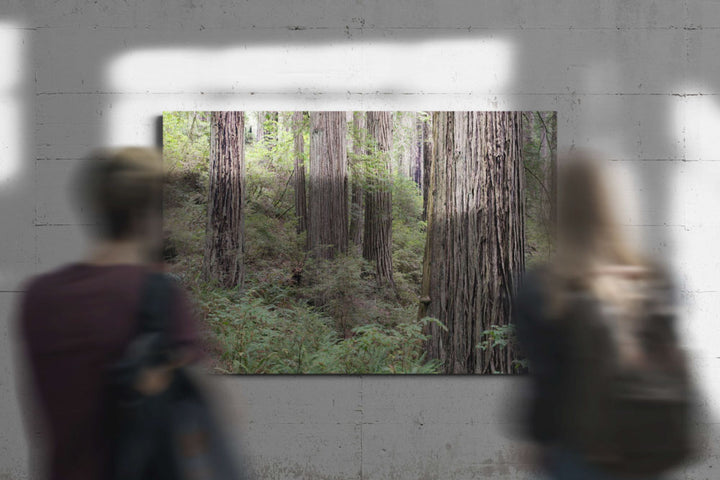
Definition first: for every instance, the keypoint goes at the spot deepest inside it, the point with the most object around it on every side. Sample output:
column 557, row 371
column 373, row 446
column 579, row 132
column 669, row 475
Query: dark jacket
column 543, row 343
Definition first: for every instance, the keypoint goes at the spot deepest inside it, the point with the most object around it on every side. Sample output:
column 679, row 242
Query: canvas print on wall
column 358, row 242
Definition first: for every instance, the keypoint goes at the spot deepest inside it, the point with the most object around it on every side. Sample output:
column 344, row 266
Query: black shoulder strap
column 154, row 311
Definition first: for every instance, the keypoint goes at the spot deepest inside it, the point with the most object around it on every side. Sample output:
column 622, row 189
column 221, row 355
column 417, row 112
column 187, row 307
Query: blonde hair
column 121, row 186
column 592, row 253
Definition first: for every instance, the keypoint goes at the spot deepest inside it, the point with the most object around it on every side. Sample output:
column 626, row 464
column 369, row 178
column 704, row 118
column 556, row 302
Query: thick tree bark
column 426, row 163
column 356, row 200
column 299, row 145
column 377, row 241
column 328, row 202
column 474, row 250
column 224, row 236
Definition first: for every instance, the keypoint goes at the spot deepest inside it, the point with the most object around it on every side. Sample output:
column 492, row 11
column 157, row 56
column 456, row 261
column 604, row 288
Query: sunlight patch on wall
column 297, row 77
column 11, row 51
column 477, row 66
column 696, row 122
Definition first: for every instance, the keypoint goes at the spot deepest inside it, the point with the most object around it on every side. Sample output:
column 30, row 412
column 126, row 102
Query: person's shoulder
column 43, row 281
column 38, row 292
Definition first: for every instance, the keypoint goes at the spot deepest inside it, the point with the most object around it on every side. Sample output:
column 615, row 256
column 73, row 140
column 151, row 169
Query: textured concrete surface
column 638, row 80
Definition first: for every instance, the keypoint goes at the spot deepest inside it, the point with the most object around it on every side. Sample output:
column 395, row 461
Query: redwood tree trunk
column 328, row 203
column 417, row 169
column 356, row 201
column 300, row 197
column 377, row 242
column 474, row 249
column 426, row 163
column 224, row 235
column 404, row 141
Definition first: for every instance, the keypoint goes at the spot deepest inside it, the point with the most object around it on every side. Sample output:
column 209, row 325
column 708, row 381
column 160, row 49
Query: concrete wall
column 639, row 80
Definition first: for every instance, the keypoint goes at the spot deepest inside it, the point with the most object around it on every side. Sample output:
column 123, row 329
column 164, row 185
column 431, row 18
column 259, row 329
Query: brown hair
column 121, row 186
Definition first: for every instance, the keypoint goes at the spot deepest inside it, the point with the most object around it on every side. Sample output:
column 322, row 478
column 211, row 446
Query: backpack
column 628, row 396
column 172, row 435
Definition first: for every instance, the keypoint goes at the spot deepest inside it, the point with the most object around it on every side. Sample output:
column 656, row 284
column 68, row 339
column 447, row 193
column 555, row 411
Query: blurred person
column 78, row 320
column 610, row 385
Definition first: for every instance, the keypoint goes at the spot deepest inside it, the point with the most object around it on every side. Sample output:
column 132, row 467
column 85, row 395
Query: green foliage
column 408, row 235
column 253, row 336
column 269, row 168
column 539, row 150
column 345, row 289
column 378, row 349
column 501, row 337
column 407, row 200
column 297, row 314
column 342, row 288
column 368, row 164
column 271, row 241
column 186, row 141
column 497, row 336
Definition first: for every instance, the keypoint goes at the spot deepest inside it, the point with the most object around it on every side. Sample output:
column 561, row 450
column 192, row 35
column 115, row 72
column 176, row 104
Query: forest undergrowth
column 294, row 313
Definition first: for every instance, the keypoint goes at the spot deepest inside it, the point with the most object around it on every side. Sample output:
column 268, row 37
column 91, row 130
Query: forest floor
column 296, row 314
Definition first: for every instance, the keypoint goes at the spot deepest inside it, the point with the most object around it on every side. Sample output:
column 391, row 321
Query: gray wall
column 639, row 80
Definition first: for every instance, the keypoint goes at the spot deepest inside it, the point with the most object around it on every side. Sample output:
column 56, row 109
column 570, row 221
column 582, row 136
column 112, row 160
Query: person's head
column 122, row 189
column 585, row 218
column 589, row 234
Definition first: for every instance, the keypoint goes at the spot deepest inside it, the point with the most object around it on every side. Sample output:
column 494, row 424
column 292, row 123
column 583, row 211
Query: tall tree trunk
column 474, row 250
column 528, row 128
column 356, row 172
column 405, row 140
column 299, row 145
column 410, row 126
column 328, row 202
column 260, row 133
column 417, row 167
column 426, row 163
column 377, row 242
column 224, row 235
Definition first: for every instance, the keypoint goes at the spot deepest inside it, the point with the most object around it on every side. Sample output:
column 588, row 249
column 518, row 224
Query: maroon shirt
column 75, row 322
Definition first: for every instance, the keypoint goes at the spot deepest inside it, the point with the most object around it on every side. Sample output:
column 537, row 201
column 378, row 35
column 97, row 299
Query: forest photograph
column 377, row 242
